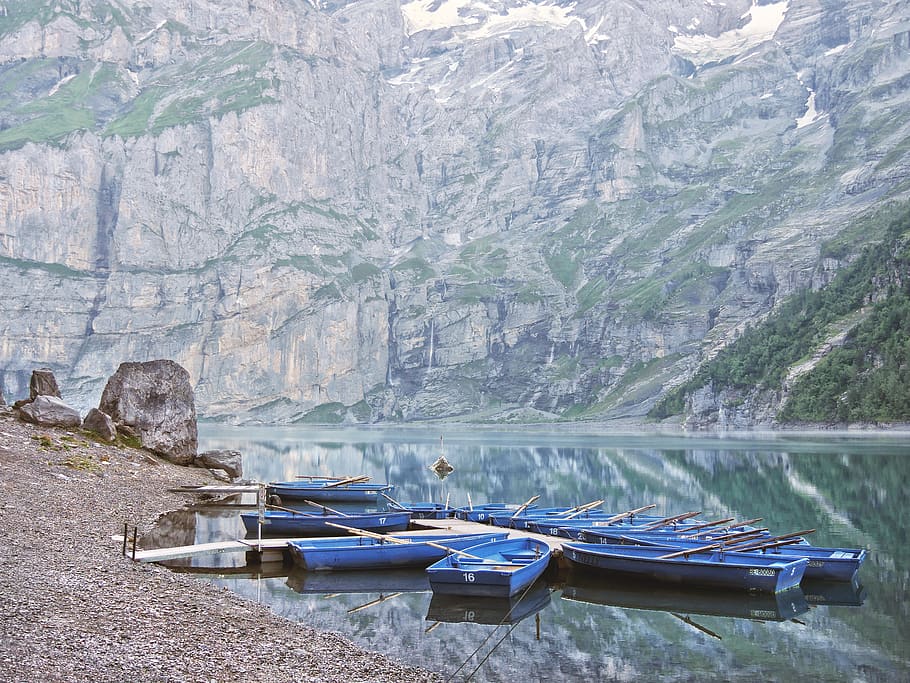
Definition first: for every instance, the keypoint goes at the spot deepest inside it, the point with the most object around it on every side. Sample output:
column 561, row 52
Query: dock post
column 135, row 531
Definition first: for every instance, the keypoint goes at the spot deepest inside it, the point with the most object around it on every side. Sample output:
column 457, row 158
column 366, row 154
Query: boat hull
column 697, row 569
column 280, row 523
column 825, row 564
column 349, row 553
column 496, row 569
column 324, row 492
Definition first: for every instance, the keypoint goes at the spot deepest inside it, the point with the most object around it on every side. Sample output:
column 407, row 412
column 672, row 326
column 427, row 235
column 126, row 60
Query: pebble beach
column 75, row 609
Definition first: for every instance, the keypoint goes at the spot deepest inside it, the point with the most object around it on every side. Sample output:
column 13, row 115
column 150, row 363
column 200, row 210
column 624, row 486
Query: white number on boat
column 468, row 577
column 382, row 520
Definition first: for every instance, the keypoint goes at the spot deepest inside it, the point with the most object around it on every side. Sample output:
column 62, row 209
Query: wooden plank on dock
column 178, row 552
column 217, row 490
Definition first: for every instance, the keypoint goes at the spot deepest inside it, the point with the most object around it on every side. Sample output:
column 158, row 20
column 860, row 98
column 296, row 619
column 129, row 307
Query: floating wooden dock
column 273, row 549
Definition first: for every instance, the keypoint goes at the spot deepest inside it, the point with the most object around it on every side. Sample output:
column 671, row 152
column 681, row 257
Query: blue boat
column 581, row 529
column 828, row 564
column 425, row 510
column 495, row 569
column 345, row 553
column 292, row 524
column 481, row 513
column 512, row 520
column 328, row 490
column 688, row 567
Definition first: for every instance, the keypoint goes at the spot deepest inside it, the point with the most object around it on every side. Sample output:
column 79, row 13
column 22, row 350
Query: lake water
column 852, row 489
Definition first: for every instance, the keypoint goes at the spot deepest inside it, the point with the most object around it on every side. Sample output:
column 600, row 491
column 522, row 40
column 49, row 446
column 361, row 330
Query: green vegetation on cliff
column 865, row 379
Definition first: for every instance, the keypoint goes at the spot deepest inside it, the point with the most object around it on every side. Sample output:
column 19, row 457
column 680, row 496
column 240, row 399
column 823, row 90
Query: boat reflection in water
column 715, row 603
column 487, row 610
column 364, row 581
column 834, row 593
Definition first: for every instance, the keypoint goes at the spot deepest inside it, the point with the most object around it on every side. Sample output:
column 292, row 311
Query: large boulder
column 154, row 400
column 50, row 411
column 101, row 424
column 229, row 461
column 43, row 383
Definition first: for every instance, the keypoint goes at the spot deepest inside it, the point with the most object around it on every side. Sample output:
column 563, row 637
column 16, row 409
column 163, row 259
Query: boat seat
column 520, row 557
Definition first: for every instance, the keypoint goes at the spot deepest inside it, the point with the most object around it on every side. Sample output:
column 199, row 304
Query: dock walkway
column 421, row 527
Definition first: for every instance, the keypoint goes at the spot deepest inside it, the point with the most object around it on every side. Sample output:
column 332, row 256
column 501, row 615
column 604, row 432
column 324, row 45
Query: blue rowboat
column 291, row 524
column 345, row 553
column 580, row 529
column 481, row 513
column 425, row 510
column 509, row 519
column 828, row 564
column 495, row 569
column 689, row 567
column 326, row 490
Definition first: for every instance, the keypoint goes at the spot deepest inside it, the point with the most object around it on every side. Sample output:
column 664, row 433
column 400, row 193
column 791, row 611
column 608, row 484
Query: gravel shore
column 74, row 609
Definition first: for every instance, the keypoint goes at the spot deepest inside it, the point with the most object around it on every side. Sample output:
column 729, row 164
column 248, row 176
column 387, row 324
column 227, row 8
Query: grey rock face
column 229, row 461
column 154, row 400
column 101, row 424
column 379, row 211
column 43, row 383
column 50, row 411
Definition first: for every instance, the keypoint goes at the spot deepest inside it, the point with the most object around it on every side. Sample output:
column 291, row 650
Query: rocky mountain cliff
column 374, row 211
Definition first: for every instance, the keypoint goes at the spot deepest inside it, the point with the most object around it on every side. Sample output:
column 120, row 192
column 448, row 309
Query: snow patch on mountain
column 484, row 21
column 764, row 20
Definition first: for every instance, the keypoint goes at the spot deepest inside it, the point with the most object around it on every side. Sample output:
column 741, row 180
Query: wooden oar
column 728, row 530
column 795, row 536
column 682, row 553
column 763, row 546
column 739, row 535
column 579, row 508
column 316, row 476
column 627, row 513
column 326, row 507
column 393, row 501
column 708, row 525
column 584, row 508
column 525, row 505
column 470, row 504
column 383, row 537
column 656, row 524
column 350, row 480
column 291, row 510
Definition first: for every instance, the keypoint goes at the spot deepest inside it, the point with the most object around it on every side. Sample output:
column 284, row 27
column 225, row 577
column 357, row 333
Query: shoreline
column 77, row 610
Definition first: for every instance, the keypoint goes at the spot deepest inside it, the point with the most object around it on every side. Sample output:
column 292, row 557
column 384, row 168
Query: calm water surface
column 852, row 489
